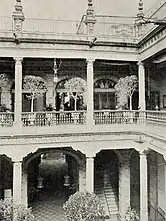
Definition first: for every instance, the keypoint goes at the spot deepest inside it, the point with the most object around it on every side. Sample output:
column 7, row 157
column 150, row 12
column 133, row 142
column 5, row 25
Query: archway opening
column 6, row 177
column 52, row 175
column 107, row 180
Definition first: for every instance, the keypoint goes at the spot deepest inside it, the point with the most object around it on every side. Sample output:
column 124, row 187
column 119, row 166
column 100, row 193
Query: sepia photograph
column 82, row 110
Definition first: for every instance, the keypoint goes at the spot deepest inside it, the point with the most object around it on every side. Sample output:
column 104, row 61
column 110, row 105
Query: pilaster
column 50, row 99
column 90, row 93
column 143, row 186
column 24, row 189
column 82, row 178
column 18, row 91
column 141, row 77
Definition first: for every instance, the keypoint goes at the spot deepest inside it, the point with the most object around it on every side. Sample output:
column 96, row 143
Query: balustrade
column 119, row 117
column 6, row 119
column 53, row 118
column 101, row 117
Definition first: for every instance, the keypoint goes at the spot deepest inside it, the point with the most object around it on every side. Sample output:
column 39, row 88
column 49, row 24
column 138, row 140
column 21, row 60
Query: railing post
column 90, row 18
column 141, row 76
column 18, row 17
column 18, row 92
column 90, row 109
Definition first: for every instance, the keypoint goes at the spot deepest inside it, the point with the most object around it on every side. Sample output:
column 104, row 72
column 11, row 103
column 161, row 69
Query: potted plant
column 125, row 88
column 77, row 88
column 10, row 211
column 83, row 206
column 131, row 215
column 35, row 86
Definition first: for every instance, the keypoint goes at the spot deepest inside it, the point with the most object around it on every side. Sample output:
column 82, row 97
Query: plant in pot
column 124, row 90
column 131, row 215
column 35, row 86
column 10, row 211
column 76, row 87
column 83, row 206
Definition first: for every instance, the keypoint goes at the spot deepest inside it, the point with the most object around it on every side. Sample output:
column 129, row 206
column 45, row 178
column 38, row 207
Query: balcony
column 58, row 122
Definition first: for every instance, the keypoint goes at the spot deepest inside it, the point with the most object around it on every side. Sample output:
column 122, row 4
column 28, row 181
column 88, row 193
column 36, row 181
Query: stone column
column 124, row 183
column 141, row 76
column 143, row 186
column 17, row 182
column 24, row 188
column 90, row 93
column 90, row 174
column 18, row 91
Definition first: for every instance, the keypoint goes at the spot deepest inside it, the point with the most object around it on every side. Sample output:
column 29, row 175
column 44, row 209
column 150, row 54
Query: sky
column 73, row 9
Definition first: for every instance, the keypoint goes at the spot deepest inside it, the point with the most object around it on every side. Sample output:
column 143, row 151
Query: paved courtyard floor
column 49, row 208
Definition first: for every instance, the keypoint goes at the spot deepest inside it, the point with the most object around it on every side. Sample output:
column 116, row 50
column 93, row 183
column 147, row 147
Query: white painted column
column 18, row 91
column 124, row 184
column 17, row 182
column 143, row 186
column 141, row 77
column 90, row 93
column 90, row 174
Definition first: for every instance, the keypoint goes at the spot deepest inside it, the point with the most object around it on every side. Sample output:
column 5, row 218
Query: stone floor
column 48, row 204
column 49, row 207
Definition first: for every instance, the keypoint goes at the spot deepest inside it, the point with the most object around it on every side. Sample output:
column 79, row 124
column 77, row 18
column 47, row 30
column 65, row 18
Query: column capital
column 140, row 63
column 90, row 61
column 144, row 152
column 18, row 60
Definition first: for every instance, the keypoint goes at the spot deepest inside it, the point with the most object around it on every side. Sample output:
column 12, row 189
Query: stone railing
column 156, row 117
column 6, row 24
column 53, row 118
column 119, row 117
column 6, row 119
column 101, row 117
column 48, row 26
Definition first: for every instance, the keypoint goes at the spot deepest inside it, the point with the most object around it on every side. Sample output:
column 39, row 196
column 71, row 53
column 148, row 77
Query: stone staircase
column 106, row 194
column 108, row 201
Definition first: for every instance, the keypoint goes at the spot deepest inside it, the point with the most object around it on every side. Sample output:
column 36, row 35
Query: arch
column 8, row 159
column 63, row 79
column 66, row 151
column 105, row 76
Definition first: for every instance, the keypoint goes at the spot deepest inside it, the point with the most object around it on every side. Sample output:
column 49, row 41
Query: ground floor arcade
column 120, row 178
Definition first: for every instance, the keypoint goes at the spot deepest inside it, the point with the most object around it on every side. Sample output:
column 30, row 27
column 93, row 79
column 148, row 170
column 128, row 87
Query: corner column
column 143, row 186
column 90, row 174
column 17, row 182
column 90, row 95
column 141, row 77
column 18, row 91
column 124, row 183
